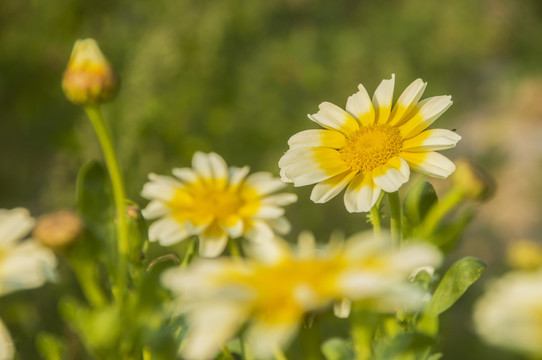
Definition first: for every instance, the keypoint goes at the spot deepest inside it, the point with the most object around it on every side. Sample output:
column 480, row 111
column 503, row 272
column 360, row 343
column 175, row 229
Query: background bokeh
column 238, row 78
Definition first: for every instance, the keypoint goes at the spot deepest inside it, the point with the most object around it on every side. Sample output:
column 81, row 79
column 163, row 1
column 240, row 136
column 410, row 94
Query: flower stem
column 119, row 194
column 279, row 354
column 233, row 246
column 395, row 217
column 435, row 215
column 375, row 216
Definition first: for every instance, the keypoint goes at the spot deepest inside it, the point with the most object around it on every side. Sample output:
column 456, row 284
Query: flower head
column 214, row 203
column 23, row 264
column 509, row 315
column 89, row 78
column 273, row 289
column 372, row 146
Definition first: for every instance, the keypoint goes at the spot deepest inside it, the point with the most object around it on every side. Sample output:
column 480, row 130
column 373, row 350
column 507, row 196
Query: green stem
column 233, row 246
column 395, row 217
column 119, row 194
column 435, row 215
column 310, row 340
column 279, row 355
column 363, row 327
column 188, row 255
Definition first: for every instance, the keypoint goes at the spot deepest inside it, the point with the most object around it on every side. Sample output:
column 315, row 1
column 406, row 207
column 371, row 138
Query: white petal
column 424, row 114
column 269, row 212
column 202, row 165
column 167, row 231
column 264, row 183
column 317, row 137
column 234, row 228
column 432, row 140
column 407, row 101
column 282, row 199
column 280, row 225
column 187, row 175
column 155, row 209
column 361, row 107
column 361, row 195
column 27, row 265
column 431, row 163
column 14, row 224
column 7, row 349
column 238, row 175
column 342, row 308
column 219, row 167
column 212, row 241
column 264, row 338
column 259, row 231
column 391, row 176
column 331, row 116
column 328, row 189
column 382, row 100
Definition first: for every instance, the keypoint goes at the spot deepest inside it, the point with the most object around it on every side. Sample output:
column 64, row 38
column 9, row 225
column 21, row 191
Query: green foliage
column 338, row 349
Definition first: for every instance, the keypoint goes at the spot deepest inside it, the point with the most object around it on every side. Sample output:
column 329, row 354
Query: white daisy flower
column 370, row 147
column 214, row 202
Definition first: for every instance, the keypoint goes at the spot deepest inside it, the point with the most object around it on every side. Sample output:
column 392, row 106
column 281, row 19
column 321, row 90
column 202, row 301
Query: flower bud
column 89, row 78
column 476, row 183
column 525, row 255
column 58, row 230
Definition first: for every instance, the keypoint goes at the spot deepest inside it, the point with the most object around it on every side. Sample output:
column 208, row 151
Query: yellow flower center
column 371, row 147
column 204, row 202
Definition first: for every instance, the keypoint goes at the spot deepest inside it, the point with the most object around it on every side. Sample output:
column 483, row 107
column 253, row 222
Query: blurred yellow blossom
column 474, row 181
column 372, row 146
column 214, row 202
column 525, row 255
column 274, row 288
column 89, row 78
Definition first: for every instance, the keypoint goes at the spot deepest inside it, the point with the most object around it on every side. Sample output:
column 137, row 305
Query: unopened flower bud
column 89, row 78
column 58, row 230
column 525, row 255
column 476, row 183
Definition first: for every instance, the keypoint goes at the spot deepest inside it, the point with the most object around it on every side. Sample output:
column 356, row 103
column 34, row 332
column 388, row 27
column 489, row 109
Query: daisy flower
column 274, row 288
column 509, row 315
column 214, row 203
column 371, row 146
column 23, row 264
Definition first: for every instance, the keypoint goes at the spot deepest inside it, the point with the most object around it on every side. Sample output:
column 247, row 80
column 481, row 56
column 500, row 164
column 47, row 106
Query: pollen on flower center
column 371, row 147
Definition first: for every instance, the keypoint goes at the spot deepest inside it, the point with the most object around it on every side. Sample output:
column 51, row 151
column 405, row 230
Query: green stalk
column 235, row 250
column 310, row 340
column 395, row 217
column 119, row 194
column 435, row 215
column 376, row 221
column 279, row 355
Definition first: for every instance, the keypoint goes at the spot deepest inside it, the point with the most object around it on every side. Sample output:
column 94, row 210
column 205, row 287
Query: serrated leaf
column 461, row 275
column 338, row 349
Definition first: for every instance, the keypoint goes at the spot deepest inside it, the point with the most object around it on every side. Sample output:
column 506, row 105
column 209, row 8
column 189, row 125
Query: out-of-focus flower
column 371, row 146
column 272, row 290
column 23, row 264
column 214, row 203
column 89, row 78
column 7, row 351
column 58, row 230
column 509, row 315
column 525, row 255
column 474, row 181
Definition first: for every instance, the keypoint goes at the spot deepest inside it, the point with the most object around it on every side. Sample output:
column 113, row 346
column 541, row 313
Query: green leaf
column 448, row 235
column 403, row 346
column 49, row 346
column 461, row 275
column 137, row 233
column 418, row 201
column 338, row 349
column 95, row 201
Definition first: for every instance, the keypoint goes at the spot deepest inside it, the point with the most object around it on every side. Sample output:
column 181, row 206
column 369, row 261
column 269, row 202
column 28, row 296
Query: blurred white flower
column 7, row 350
column 509, row 315
column 214, row 203
column 23, row 264
column 273, row 289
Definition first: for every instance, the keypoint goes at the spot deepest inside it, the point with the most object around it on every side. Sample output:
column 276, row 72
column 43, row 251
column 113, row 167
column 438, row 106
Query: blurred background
column 238, row 78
